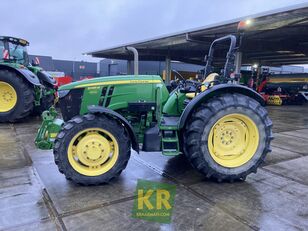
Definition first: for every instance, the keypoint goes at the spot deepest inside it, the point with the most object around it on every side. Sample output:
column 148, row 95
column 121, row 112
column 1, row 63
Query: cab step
column 170, row 139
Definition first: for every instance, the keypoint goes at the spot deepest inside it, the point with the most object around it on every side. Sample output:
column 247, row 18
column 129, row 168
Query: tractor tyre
column 46, row 102
column 228, row 137
column 16, row 97
column 92, row 149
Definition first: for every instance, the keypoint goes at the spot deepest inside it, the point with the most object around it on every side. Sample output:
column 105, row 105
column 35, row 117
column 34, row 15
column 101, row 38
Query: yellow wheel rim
column 233, row 140
column 93, row 152
column 8, row 97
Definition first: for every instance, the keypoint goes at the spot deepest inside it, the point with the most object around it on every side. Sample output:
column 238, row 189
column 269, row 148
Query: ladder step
column 169, row 123
column 171, row 152
column 168, row 127
column 170, row 139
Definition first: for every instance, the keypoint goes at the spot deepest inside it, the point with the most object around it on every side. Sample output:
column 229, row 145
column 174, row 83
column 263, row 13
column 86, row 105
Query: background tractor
column 220, row 126
column 24, row 88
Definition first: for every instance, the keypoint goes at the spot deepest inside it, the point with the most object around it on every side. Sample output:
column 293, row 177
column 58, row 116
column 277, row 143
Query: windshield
column 18, row 53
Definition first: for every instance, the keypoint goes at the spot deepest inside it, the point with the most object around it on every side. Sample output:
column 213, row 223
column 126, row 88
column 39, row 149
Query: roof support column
column 238, row 62
column 168, row 70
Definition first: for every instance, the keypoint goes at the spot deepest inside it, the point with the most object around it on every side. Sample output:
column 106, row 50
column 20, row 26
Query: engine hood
column 113, row 80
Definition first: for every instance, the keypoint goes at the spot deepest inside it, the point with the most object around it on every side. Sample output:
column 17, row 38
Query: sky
column 64, row 29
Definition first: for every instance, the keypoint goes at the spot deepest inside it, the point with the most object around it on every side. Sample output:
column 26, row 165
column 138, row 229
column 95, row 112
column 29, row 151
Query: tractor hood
column 113, row 80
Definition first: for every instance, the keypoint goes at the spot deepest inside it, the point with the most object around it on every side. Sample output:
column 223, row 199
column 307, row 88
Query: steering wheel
column 182, row 78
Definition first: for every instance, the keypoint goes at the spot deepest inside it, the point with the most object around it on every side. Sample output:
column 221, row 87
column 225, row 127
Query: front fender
column 27, row 74
column 129, row 128
column 218, row 90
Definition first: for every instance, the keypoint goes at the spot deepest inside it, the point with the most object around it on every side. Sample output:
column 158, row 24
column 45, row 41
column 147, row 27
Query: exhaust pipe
column 136, row 59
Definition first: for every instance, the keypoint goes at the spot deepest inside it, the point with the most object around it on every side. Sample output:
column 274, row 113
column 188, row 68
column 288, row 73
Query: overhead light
column 284, row 52
column 248, row 22
column 242, row 25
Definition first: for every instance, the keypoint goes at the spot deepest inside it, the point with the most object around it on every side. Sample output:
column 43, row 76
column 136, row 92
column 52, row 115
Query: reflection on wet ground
column 35, row 196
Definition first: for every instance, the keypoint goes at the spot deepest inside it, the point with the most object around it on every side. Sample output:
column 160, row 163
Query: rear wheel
column 228, row 137
column 16, row 97
column 91, row 149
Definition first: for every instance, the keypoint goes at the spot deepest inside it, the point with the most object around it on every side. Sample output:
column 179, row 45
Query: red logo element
column 5, row 54
column 37, row 61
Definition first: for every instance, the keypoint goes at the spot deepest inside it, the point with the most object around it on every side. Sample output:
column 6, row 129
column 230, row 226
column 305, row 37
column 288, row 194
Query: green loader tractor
column 24, row 88
column 220, row 126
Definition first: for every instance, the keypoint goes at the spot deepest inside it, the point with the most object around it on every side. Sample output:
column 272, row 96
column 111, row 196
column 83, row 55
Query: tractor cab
column 14, row 50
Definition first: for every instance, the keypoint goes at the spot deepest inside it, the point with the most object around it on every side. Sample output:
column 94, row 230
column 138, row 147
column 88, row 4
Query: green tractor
column 220, row 126
column 24, row 88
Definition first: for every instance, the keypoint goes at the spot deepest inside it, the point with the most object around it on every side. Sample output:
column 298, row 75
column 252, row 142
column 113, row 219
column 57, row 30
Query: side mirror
column 35, row 61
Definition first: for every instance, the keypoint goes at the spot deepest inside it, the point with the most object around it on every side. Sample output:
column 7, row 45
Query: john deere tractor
column 24, row 88
column 220, row 126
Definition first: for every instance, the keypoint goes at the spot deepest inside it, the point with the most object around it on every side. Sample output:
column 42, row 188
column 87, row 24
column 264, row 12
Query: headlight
column 63, row 93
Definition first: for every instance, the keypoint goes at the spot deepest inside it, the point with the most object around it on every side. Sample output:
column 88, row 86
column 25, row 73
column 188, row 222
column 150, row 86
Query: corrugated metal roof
column 277, row 37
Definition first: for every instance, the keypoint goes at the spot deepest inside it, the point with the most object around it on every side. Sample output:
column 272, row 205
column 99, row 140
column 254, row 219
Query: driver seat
column 208, row 82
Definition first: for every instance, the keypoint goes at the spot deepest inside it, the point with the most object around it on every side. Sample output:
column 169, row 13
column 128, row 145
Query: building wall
column 118, row 67
column 76, row 69
column 107, row 67
column 46, row 62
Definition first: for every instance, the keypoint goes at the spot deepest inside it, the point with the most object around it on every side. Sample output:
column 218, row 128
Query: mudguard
column 28, row 75
column 218, row 90
column 45, row 77
column 130, row 130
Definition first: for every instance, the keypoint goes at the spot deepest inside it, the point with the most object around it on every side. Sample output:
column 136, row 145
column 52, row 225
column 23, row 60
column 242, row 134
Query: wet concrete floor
column 35, row 196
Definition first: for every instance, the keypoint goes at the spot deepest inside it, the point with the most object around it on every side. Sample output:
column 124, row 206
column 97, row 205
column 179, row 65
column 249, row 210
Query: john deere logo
column 154, row 201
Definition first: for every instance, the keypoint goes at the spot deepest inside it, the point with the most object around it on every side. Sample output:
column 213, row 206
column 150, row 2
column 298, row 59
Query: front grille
column 71, row 103
column 110, row 92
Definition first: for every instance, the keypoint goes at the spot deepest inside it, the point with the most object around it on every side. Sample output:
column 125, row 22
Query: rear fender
column 46, row 78
column 215, row 91
column 24, row 73
column 129, row 128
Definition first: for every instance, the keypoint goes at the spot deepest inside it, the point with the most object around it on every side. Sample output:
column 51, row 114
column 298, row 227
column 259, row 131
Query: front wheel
column 91, row 149
column 228, row 137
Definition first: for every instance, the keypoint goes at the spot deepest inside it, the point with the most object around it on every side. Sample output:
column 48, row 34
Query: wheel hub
column 229, row 138
column 93, row 153
column 233, row 140
column 8, row 97
column 93, row 149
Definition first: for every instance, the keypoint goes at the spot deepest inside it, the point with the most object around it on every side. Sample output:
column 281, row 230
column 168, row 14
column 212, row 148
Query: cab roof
column 20, row 41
